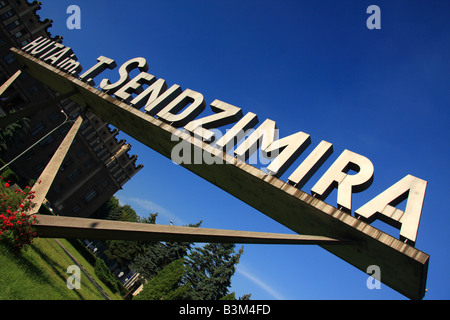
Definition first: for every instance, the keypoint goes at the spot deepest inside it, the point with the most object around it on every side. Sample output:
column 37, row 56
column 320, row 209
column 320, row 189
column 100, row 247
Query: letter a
column 74, row 21
column 373, row 282
column 410, row 188
column 74, row 281
column 374, row 21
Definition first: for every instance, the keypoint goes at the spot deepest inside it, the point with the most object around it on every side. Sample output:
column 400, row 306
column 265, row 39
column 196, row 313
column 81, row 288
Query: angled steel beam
column 80, row 228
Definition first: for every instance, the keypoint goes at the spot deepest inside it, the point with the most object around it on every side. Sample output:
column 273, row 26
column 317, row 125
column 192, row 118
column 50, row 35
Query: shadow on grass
column 32, row 270
column 55, row 270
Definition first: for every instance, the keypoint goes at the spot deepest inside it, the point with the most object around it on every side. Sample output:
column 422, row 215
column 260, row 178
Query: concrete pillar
column 48, row 175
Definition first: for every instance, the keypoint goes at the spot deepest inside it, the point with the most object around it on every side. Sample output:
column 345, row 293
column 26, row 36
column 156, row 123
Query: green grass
column 39, row 273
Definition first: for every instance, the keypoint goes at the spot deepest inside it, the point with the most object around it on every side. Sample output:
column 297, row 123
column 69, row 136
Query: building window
column 39, row 168
column 91, row 195
column 29, row 155
column 54, row 116
column 75, row 173
column 24, row 75
column 104, row 184
column 2, row 4
column 47, row 141
column 57, row 188
column 88, row 164
column 66, row 164
column 9, row 58
column 13, row 25
column 6, row 15
column 81, row 152
column 20, row 33
column 76, row 209
column 33, row 89
column 38, row 128
column 63, row 130
column 25, row 42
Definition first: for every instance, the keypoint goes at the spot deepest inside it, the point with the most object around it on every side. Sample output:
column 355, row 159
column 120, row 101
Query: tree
column 122, row 251
column 209, row 270
column 10, row 133
column 110, row 210
column 167, row 284
column 155, row 256
column 205, row 272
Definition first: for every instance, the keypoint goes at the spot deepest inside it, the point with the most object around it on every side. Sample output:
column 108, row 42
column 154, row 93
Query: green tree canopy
column 209, row 270
column 167, row 284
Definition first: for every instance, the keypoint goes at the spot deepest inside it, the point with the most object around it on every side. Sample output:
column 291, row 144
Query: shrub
column 167, row 284
column 103, row 273
column 16, row 225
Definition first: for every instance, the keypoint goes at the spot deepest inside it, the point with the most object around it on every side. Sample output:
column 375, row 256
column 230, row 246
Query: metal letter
column 337, row 177
column 155, row 89
column 197, row 105
column 225, row 114
column 285, row 150
column 103, row 64
column 311, row 164
column 61, row 54
column 124, row 71
column 262, row 137
column 384, row 204
column 35, row 44
column 163, row 100
column 42, row 48
column 237, row 132
column 134, row 86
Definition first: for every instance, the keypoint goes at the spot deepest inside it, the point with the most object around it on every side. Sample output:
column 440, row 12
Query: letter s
column 124, row 72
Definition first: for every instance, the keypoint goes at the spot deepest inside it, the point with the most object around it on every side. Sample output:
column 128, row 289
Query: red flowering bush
column 16, row 225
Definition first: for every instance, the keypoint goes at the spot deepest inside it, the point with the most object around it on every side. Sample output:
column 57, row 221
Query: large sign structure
column 171, row 124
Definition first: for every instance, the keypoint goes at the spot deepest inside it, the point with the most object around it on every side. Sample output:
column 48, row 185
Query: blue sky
column 311, row 66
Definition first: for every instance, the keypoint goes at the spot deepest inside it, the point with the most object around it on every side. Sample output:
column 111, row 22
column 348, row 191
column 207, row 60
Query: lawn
column 39, row 273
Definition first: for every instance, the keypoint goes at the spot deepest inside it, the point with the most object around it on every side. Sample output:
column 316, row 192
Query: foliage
column 83, row 251
column 167, row 285
column 103, row 273
column 230, row 296
column 16, row 225
column 112, row 210
column 209, row 270
column 122, row 251
column 156, row 255
column 8, row 174
column 205, row 272
column 10, row 133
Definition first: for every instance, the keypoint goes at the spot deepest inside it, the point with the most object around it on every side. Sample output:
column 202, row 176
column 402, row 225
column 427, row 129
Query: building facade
column 97, row 164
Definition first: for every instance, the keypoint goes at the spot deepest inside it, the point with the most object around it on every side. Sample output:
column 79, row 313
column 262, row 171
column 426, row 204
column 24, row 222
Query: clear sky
column 311, row 66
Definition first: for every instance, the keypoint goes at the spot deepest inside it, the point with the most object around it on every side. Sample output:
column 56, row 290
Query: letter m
column 283, row 151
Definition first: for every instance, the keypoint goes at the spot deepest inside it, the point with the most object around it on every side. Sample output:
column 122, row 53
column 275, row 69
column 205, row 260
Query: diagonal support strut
column 80, row 228
column 48, row 175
